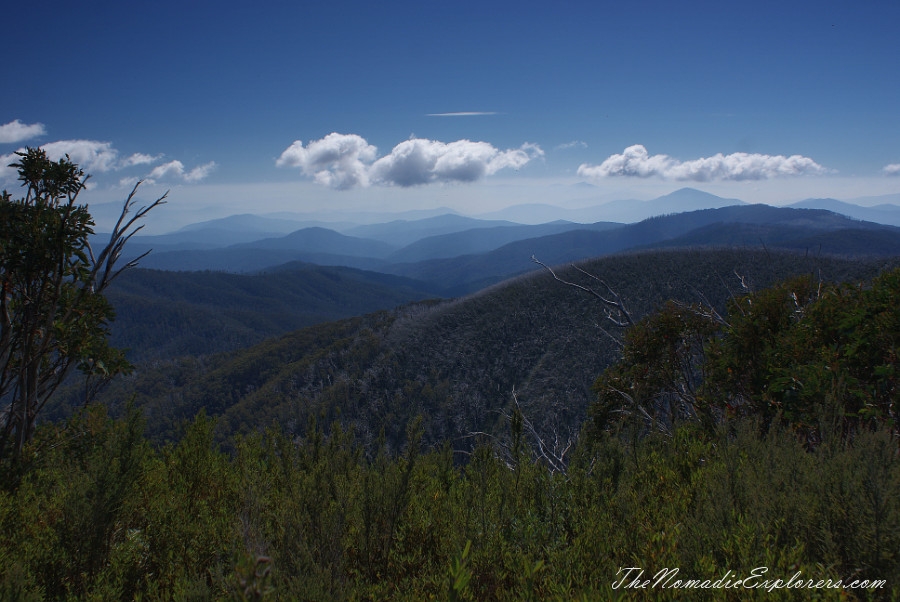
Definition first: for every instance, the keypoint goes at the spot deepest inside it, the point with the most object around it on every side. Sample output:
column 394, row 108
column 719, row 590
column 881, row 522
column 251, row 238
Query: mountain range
column 438, row 314
column 460, row 254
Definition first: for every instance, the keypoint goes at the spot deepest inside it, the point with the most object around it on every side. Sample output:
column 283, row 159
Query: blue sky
column 273, row 106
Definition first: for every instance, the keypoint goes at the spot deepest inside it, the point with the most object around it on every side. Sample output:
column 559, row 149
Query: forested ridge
column 173, row 314
column 343, row 461
column 456, row 361
column 721, row 415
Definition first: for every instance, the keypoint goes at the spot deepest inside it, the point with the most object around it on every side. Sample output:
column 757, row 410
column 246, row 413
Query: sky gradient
column 287, row 106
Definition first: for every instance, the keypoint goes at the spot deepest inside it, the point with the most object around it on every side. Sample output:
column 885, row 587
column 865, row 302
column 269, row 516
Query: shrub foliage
column 100, row 514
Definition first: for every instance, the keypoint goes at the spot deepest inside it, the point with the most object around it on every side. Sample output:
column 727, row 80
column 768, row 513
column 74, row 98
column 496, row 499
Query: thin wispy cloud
column 635, row 161
column 891, row 170
column 16, row 131
column 345, row 161
column 572, row 144
column 463, row 114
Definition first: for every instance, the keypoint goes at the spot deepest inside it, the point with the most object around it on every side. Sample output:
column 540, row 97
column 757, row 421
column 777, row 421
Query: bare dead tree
column 554, row 455
column 104, row 269
column 614, row 306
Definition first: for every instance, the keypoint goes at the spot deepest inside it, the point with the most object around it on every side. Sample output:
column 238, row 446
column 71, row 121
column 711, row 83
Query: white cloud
column 89, row 155
column 421, row 161
column 344, row 161
column 7, row 172
column 16, row 131
column 337, row 160
column 139, row 159
column 637, row 162
column 200, row 172
column 172, row 168
column 891, row 170
column 175, row 170
column 99, row 157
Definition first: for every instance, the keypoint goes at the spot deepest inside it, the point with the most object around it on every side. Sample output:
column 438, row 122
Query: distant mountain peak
column 694, row 195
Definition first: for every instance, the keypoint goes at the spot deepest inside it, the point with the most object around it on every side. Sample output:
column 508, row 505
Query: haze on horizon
column 353, row 107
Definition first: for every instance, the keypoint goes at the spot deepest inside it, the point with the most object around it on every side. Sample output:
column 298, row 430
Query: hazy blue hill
column 622, row 210
column 404, row 232
column 878, row 201
column 682, row 200
column 458, row 273
column 248, row 259
column 691, row 199
column 311, row 245
column 461, row 275
column 248, row 222
column 323, row 241
column 540, row 213
column 454, row 362
column 343, row 220
column 213, row 234
column 166, row 314
column 205, row 238
column 882, row 214
column 482, row 240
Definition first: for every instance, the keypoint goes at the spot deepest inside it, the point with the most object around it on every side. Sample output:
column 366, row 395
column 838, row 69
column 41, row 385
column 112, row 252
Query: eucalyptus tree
column 53, row 315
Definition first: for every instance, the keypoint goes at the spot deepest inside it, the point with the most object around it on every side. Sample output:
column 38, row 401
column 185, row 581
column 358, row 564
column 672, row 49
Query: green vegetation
column 440, row 451
column 803, row 352
column 764, row 479
column 454, row 362
column 100, row 514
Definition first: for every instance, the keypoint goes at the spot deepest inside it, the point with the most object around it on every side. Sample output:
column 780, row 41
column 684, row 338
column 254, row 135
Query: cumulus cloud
column 422, row 161
column 346, row 160
column 637, row 162
column 16, row 131
column 891, row 170
column 337, row 160
column 92, row 156
column 175, row 170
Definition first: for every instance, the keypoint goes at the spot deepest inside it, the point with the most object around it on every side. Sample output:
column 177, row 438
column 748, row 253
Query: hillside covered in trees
column 774, row 496
column 456, row 362
column 700, row 423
